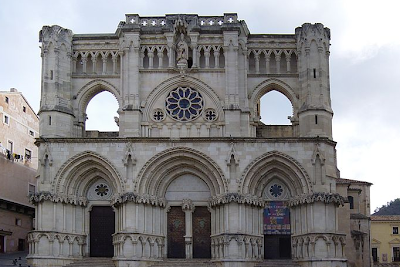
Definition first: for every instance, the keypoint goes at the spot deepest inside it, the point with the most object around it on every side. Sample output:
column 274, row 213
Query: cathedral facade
column 192, row 172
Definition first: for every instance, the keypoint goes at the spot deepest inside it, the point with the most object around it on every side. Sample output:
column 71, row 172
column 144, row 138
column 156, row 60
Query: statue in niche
column 182, row 51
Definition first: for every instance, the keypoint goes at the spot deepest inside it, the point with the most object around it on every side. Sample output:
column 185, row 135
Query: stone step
column 184, row 263
column 92, row 262
column 277, row 263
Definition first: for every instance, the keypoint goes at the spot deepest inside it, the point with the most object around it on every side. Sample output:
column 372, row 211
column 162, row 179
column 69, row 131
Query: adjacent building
column 18, row 164
column 385, row 241
column 192, row 171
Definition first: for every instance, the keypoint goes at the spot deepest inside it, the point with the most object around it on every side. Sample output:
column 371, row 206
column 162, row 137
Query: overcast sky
column 364, row 63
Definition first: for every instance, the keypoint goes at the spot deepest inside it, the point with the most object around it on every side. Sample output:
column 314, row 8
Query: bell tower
column 315, row 113
column 56, row 114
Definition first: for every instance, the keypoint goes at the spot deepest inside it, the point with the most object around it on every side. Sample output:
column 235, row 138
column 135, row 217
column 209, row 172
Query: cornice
column 323, row 197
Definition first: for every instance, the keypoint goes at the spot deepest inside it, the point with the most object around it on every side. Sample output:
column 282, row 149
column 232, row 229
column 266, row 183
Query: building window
column 23, row 108
column 31, row 133
column 18, row 222
column 28, row 154
column 6, row 120
column 351, row 202
column 6, row 99
column 396, row 254
column 32, row 189
column 395, row 230
column 375, row 254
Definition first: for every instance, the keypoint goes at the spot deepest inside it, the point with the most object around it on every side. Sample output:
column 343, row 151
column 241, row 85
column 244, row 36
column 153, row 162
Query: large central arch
column 163, row 168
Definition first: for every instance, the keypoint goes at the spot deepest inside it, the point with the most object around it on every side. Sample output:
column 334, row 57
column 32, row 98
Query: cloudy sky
column 365, row 63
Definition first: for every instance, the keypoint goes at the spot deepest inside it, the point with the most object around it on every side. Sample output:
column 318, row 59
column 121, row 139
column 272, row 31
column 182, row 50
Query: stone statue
column 182, row 51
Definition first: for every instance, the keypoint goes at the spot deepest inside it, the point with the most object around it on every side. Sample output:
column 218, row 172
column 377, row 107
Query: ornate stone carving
column 238, row 198
column 326, row 198
column 67, row 199
column 140, row 199
column 187, row 205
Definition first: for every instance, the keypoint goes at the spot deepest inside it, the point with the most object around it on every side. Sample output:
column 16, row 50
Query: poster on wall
column 276, row 218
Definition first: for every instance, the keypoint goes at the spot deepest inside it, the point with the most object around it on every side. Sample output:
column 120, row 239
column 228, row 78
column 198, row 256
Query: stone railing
column 131, row 246
column 239, row 246
column 56, row 244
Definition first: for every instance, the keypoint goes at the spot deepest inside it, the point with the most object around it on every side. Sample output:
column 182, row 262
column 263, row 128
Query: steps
column 185, row 263
column 92, row 262
column 277, row 263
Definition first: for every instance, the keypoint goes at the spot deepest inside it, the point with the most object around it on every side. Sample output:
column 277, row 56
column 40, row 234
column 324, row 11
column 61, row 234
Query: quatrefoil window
column 184, row 104
column 210, row 114
column 158, row 115
column 102, row 190
column 276, row 190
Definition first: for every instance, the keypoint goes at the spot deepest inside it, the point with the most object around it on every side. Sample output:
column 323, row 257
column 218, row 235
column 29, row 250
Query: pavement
column 13, row 259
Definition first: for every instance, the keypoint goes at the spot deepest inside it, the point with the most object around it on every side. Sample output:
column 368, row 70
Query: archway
column 275, row 109
column 276, row 177
column 100, row 118
column 188, row 219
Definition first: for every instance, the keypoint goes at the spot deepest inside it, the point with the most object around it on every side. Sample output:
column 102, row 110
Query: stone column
column 188, row 208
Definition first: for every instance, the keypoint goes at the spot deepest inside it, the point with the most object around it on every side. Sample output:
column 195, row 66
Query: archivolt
column 270, row 85
column 88, row 91
column 271, row 165
column 76, row 174
column 176, row 81
column 163, row 168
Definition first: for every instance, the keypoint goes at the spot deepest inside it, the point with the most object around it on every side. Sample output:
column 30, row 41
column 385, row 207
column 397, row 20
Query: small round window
column 184, row 104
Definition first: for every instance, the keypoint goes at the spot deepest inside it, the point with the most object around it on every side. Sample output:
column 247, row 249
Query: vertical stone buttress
column 231, row 50
column 129, row 115
column 56, row 114
column 315, row 114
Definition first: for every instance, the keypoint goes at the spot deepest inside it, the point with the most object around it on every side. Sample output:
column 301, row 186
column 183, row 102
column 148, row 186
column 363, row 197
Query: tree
column 391, row 208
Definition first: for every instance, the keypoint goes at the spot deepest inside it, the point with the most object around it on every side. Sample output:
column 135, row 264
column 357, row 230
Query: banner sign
column 276, row 218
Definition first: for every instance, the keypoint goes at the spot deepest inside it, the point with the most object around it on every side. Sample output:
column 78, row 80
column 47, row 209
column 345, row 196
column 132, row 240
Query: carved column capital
column 187, row 205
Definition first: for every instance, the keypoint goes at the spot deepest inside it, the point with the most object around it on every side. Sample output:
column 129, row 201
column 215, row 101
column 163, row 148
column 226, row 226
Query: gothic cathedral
column 192, row 173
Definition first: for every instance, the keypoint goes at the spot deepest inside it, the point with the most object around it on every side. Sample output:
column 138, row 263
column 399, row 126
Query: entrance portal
column 277, row 238
column 176, row 231
column 102, row 227
column 201, row 233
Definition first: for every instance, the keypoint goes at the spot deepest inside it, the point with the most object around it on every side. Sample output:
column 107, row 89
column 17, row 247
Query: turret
column 315, row 113
column 56, row 115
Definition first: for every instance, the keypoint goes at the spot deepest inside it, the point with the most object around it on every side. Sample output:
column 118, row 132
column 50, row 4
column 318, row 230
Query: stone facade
column 190, row 136
column 18, row 166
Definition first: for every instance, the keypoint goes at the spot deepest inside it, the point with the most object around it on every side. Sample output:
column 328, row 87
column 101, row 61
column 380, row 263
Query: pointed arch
column 180, row 80
column 91, row 89
column 155, row 176
column 271, row 85
column 77, row 174
column 272, row 165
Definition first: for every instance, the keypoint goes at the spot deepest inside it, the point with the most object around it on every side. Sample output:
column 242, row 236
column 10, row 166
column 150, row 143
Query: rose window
column 276, row 190
column 101, row 190
column 184, row 104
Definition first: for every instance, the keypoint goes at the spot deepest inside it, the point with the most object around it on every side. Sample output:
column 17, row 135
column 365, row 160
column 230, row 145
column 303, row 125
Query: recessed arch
column 272, row 165
column 77, row 174
column 271, row 85
column 158, row 173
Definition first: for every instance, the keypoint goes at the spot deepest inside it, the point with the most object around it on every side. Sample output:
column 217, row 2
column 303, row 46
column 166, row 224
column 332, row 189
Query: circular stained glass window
column 101, row 190
column 276, row 190
column 184, row 104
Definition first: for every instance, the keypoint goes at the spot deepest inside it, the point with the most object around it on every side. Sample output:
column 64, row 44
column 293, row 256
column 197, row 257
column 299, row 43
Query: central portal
column 102, row 227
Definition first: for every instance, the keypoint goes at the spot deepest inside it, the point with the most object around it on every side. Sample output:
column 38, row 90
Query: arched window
column 274, row 109
column 101, row 113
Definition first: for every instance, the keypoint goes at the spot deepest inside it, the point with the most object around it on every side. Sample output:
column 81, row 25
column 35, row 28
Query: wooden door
column 201, row 233
column 176, row 231
column 2, row 244
column 102, row 226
